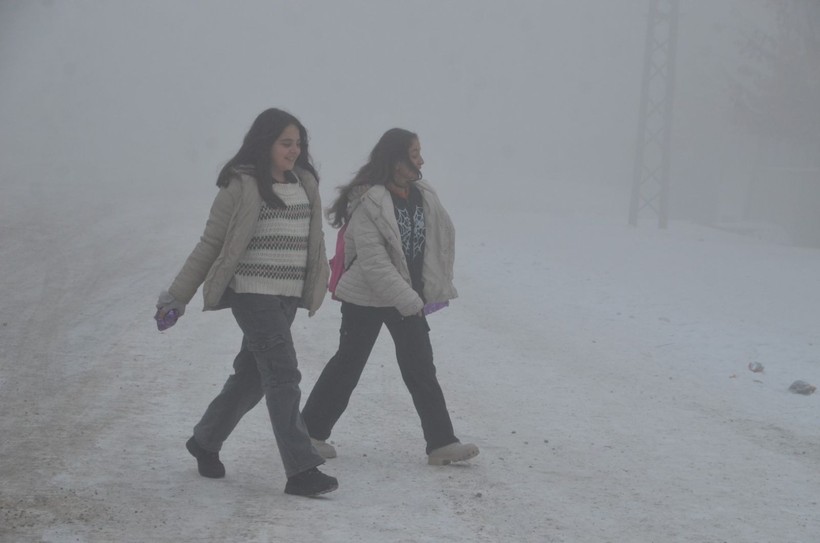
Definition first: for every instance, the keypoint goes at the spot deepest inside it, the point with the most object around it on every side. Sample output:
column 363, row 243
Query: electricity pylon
column 650, row 185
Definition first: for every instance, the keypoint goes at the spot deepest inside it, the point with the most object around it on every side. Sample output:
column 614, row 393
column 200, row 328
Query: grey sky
column 538, row 94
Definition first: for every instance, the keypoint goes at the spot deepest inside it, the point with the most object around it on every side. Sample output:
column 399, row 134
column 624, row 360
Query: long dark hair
column 255, row 153
column 392, row 148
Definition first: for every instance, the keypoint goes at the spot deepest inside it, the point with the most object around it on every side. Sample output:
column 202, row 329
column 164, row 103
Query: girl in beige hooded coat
column 263, row 255
column 399, row 253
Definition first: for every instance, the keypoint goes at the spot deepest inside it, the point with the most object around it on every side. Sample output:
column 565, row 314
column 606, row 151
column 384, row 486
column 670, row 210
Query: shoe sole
column 319, row 493
column 447, row 461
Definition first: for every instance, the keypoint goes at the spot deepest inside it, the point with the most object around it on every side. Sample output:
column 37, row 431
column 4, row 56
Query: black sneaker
column 311, row 482
column 207, row 461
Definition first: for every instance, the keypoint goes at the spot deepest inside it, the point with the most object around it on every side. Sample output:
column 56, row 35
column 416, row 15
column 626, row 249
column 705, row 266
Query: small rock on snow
column 802, row 387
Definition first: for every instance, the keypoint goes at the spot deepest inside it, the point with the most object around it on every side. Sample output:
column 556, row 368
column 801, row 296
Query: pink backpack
column 337, row 263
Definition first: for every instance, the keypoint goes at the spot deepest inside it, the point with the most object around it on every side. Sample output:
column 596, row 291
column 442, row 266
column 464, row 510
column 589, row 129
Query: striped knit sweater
column 275, row 261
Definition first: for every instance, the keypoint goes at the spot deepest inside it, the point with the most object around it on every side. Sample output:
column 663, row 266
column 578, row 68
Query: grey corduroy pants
column 265, row 366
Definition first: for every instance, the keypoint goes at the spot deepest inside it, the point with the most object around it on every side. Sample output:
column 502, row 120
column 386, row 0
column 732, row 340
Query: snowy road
column 602, row 373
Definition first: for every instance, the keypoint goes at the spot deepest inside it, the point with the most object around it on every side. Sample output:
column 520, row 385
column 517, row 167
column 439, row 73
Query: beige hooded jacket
column 230, row 227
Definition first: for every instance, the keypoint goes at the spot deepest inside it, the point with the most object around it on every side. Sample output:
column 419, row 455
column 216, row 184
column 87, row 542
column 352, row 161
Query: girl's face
column 404, row 174
column 284, row 152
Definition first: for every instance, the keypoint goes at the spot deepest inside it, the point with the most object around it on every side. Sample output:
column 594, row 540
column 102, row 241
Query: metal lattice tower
column 650, row 186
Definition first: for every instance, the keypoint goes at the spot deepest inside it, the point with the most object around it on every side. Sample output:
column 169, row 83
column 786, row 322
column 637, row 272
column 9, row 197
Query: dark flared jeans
column 360, row 328
column 265, row 366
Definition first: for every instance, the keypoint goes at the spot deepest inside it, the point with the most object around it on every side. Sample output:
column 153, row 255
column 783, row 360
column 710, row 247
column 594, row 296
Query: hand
column 166, row 302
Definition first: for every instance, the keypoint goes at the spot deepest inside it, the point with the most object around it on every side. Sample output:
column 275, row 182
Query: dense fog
column 518, row 104
column 613, row 377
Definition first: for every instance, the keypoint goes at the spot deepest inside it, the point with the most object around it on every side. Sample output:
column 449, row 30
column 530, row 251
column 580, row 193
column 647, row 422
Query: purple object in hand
column 432, row 307
column 170, row 319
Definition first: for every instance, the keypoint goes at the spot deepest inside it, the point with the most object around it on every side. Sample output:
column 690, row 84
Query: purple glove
column 169, row 309
column 166, row 321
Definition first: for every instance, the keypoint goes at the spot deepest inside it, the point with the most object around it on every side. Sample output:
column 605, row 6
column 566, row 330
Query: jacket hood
column 355, row 197
column 248, row 170
column 376, row 192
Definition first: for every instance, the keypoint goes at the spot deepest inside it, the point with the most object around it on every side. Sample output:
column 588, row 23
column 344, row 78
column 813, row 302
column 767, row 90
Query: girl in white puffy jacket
column 399, row 253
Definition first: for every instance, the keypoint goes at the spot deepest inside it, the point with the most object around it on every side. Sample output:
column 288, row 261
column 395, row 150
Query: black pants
column 360, row 328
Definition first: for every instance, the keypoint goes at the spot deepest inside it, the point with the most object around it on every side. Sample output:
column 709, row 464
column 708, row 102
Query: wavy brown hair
column 255, row 158
column 391, row 149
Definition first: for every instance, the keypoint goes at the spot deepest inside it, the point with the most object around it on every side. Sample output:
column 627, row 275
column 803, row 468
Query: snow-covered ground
column 601, row 369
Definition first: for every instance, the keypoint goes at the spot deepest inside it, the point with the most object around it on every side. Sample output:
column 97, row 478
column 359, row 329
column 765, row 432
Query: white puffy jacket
column 378, row 275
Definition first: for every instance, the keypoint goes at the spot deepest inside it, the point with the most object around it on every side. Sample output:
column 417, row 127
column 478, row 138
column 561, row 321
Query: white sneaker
column 325, row 449
column 454, row 452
